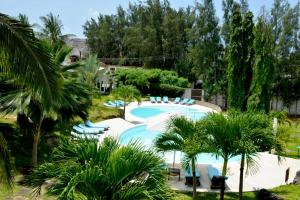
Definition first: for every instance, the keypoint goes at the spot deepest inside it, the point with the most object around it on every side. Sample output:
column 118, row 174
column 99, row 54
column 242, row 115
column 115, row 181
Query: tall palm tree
column 72, row 98
column 23, row 57
column 52, row 28
column 86, row 170
column 127, row 93
column 183, row 135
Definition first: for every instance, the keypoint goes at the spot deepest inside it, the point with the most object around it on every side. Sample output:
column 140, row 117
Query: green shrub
column 170, row 90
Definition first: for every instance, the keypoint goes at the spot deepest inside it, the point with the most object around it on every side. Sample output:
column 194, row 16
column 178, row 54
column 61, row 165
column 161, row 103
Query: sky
column 74, row 13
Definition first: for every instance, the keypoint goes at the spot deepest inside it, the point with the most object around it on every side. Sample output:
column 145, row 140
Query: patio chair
column 189, row 176
column 152, row 99
column 215, row 177
column 80, row 130
column 177, row 100
column 92, row 125
column 165, row 99
column 90, row 129
column 190, row 102
column 184, row 101
column 158, row 99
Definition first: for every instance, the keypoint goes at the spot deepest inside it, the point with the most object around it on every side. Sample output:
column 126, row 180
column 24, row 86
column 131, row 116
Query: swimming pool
column 151, row 111
column 147, row 137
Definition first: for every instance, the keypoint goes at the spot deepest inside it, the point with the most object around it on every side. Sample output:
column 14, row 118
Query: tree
column 90, row 69
column 240, row 59
column 126, row 93
column 86, row 170
column 22, row 56
column 225, row 31
column 263, row 67
column 254, row 134
column 207, row 50
column 183, row 135
column 52, row 28
column 6, row 176
column 72, row 98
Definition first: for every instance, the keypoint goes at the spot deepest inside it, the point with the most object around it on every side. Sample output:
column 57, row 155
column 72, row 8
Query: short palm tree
column 127, row 93
column 254, row 135
column 86, row 170
column 222, row 133
column 185, row 136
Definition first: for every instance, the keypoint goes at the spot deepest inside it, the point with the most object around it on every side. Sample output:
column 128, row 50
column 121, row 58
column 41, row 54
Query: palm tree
column 127, row 93
column 72, row 98
column 86, row 170
column 222, row 134
column 23, row 57
column 52, row 28
column 5, row 163
column 183, row 135
column 254, row 135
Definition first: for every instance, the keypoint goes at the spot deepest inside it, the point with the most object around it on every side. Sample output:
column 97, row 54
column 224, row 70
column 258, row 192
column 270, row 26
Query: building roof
column 80, row 47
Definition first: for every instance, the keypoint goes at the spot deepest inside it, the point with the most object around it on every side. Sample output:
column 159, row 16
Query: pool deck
column 270, row 172
column 134, row 119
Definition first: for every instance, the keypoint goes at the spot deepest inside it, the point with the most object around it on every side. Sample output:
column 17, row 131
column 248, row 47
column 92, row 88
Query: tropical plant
column 84, row 169
column 6, row 176
column 126, row 93
column 185, row 136
column 52, row 28
column 222, row 133
column 90, row 69
column 24, row 58
column 254, row 135
column 72, row 98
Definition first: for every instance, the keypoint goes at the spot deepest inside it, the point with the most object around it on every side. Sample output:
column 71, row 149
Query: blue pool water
column 147, row 137
column 151, row 111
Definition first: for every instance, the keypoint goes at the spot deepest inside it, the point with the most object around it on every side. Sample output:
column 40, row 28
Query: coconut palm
column 185, row 136
column 6, row 176
column 127, row 93
column 71, row 98
column 24, row 58
column 52, row 28
column 86, row 170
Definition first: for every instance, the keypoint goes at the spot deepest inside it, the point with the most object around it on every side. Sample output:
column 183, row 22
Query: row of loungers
column 115, row 104
column 89, row 130
column 213, row 174
column 177, row 100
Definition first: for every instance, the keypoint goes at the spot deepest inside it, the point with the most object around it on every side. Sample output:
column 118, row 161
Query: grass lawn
column 288, row 192
column 294, row 140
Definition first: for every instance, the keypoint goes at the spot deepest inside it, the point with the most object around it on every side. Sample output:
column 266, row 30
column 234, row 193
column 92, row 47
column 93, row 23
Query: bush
column 170, row 90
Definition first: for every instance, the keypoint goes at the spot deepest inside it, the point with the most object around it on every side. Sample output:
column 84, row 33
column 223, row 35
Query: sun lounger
column 184, row 101
column 165, row 99
column 91, row 130
column 152, row 99
column 85, row 136
column 112, row 104
column 189, row 176
column 120, row 102
column 158, row 99
column 80, row 130
column 190, row 102
column 177, row 100
column 215, row 177
column 92, row 125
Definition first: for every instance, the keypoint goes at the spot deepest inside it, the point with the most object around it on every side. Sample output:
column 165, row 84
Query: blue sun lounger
column 80, row 130
column 158, row 99
column 91, row 130
column 177, row 100
column 215, row 177
column 190, row 102
column 152, row 99
column 85, row 136
column 92, row 125
column 165, row 99
column 189, row 176
column 184, row 101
